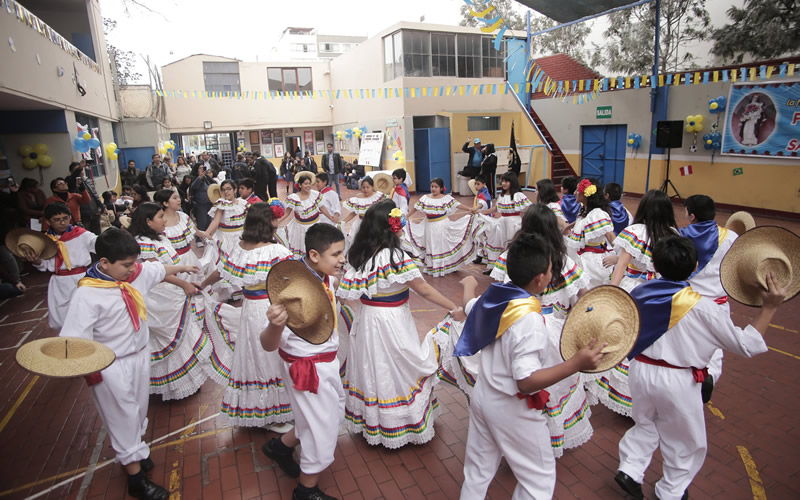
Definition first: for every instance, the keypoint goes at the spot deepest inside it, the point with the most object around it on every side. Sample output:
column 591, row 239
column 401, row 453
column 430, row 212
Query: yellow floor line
column 784, row 352
column 779, row 327
column 715, row 411
column 752, row 472
column 14, row 408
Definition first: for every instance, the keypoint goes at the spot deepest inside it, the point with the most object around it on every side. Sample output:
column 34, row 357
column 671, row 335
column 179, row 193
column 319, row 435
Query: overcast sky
column 247, row 30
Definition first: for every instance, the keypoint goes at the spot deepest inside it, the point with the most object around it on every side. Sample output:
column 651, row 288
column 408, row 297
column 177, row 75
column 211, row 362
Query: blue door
column 432, row 157
column 603, row 153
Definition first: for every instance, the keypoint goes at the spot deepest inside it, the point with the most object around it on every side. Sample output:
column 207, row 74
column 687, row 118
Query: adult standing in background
column 30, row 202
column 489, row 167
column 240, row 170
column 473, row 167
column 210, row 163
column 182, row 169
column 199, row 195
column 266, row 178
column 332, row 164
column 156, row 172
column 130, row 174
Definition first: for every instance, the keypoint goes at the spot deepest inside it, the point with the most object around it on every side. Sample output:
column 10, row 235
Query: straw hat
column 740, row 222
column 303, row 173
column 472, row 187
column 42, row 246
column 64, row 357
column 753, row 256
column 311, row 317
column 214, row 192
column 606, row 313
column 125, row 221
column 383, row 183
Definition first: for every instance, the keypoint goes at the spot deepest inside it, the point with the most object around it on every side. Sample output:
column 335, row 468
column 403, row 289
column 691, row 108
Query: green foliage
column 764, row 29
column 570, row 40
column 507, row 9
column 124, row 60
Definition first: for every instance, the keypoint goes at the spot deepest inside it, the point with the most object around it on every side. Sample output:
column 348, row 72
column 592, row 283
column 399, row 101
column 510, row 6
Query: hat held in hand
column 740, row 222
column 311, row 315
column 64, row 357
column 606, row 313
column 755, row 254
column 383, row 183
column 20, row 239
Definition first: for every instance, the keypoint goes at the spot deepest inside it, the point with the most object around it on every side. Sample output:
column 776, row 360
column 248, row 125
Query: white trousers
column 317, row 416
column 503, row 426
column 59, row 292
column 715, row 365
column 668, row 414
column 122, row 398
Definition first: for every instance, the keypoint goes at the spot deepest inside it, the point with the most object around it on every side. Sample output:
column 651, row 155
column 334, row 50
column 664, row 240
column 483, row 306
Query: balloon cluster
column 166, row 146
column 112, row 151
column 399, row 156
column 339, row 134
column 634, row 140
column 84, row 142
column 712, row 141
column 694, row 123
column 716, row 105
column 359, row 131
column 240, row 149
column 34, row 156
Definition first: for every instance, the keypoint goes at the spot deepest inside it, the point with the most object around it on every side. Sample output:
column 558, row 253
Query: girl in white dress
column 390, row 373
column 358, row 206
column 593, row 232
column 305, row 206
column 227, row 215
column 179, row 346
column 255, row 395
column 443, row 243
column 546, row 195
column 655, row 219
column 511, row 205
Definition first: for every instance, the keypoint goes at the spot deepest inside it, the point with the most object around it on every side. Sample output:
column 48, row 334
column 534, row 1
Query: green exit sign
column 603, row 112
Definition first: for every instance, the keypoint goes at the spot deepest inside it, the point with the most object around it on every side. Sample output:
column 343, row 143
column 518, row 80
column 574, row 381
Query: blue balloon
column 93, row 142
column 116, row 151
column 81, row 145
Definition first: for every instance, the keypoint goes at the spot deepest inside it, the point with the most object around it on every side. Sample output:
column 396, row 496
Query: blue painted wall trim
column 43, row 121
column 516, row 65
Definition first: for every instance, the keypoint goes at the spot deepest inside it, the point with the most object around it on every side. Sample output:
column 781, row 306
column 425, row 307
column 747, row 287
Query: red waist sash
column 589, row 249
column 181, row 251
column 71, row 272
column 509, row 214
column 721, row 300
column 699, row 374
column 304, row 371
column 537, row 400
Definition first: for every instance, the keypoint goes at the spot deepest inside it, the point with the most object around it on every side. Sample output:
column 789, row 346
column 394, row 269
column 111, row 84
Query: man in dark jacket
column 265, row 177
column 309, row 165
column 473, row 167
column 240, row 170
column 333, row 165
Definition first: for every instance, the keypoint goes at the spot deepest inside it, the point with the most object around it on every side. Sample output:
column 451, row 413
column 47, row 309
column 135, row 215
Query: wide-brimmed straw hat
column 311, row 314
column 303, row 173
column 472, row 187
column 214, row 192
column 64, row 357
column 740, row 222
column 19, row 239
column 383, row 183
column 753, row 256
column 606, row 313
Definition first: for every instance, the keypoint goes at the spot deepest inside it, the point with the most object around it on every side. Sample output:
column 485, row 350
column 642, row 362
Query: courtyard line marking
column 779, row 327
column 752, row 472
column 80, row 472
column 87, row 479
column 784, row 352
column 715, row 411
column 18, row 402
column 177, row 466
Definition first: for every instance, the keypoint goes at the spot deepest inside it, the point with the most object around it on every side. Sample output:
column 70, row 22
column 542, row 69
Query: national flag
column 686, row 170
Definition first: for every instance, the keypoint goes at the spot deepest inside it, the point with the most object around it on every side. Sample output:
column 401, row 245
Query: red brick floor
column 50, row 432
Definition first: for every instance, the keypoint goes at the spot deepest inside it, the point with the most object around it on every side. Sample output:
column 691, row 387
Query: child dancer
column 68, row 266
column 620, row 216
column 358, row 206
column 246, row 187
column 306, row 206
column 506, row 327
column 668, row 413
column 390, row 374
column 491, row 226
column 570, row 206
column 592, row 233
column 400, row 195
column 546, row 195
column 255, row 395
column 330, row 199
column 178, row 344
column 108, row 307
column 317, row 410
column 445, row 243
column 227, row 215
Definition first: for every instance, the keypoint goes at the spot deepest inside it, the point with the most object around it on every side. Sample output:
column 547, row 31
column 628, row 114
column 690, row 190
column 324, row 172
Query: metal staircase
column 560, row 166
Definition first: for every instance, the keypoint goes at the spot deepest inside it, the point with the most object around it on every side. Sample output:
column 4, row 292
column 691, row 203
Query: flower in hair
column 277, row 208
column 590, row 190
column 396, row 220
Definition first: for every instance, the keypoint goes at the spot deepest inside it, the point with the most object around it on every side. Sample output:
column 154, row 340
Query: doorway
column 432, row 157
column 603, row 153
column 294, row 144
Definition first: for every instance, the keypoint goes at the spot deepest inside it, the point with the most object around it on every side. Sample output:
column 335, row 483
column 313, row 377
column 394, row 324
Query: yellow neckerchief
column 332, row 298
column 723, row 233
column 134, row 302
column 62, row 249
column 515, row 310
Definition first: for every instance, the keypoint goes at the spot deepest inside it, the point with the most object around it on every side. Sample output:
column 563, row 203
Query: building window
column 95, row 161
column 416, row 53
column 483, row 123
column 392, row 56
column 493, row 66
column 469, row 56
column 289, row 79
column 331, row 47
column 221, row 76
column 443, row 54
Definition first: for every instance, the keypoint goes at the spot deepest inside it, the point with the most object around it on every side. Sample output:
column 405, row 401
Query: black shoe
column 706, row 389
column 315, row 494
column 146, row 464
column 145, row 489
column 284, row 460
column 478, row 260
column 630, row 486
column 487, row 272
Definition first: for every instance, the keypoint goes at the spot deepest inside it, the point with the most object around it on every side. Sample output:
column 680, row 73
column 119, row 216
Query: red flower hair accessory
column 583, row 185
column 277, row 208
column 396, row 220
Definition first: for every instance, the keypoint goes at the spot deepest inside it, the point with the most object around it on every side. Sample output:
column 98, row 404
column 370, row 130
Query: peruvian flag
column 686, row 170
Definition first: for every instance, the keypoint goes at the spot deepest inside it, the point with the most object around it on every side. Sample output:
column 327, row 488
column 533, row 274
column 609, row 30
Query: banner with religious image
column 763, row 119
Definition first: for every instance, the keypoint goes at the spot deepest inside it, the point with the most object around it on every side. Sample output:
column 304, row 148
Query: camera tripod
column 668, row 183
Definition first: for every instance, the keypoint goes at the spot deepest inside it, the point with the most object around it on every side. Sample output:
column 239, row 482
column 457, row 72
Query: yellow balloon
column 708, row 141
column 25, row 150
column 689, row 118
column 87, row 135
column 689, row 128
column 714, row 105
column 112, row 146
column 44, row 161
column 630, row 141
column 698, row 118
column 29, row 163
column 698, row 127
column 163, row 150
column 40, row 149
column 113, row 156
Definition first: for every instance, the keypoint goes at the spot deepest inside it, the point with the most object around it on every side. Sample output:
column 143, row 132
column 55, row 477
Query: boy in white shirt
column 330, row 199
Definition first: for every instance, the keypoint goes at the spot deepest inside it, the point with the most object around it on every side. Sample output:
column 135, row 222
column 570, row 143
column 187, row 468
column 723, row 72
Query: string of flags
column 25, row 16
column 491, row 23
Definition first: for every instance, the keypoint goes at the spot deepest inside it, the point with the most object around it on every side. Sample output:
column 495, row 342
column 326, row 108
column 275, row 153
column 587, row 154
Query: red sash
column 537, row 400
column 699, row 374
column 721, row 300
column 71, row 272
column 71, row 234
column 304, row 371
column 181, row 251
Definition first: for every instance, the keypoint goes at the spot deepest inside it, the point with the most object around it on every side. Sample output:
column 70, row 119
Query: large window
column 289, row 79
column 221, row 76
column 422, row 53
